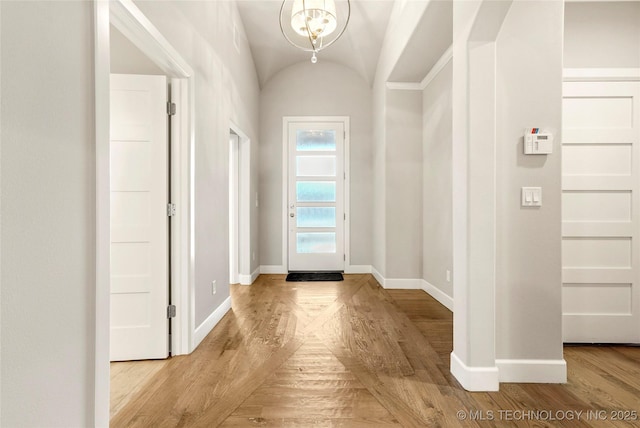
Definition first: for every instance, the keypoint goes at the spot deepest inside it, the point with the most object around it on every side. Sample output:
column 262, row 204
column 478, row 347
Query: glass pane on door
column 316, row 166
column 316, row 191
column 316, row 141
column 316, row 217
column 316, row 242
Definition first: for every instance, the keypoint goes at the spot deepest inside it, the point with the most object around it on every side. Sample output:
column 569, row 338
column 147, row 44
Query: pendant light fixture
column 313, row 25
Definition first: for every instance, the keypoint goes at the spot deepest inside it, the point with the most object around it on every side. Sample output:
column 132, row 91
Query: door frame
column 286, row 120
column 128, row 19
column 234, row 208
column 244, row 205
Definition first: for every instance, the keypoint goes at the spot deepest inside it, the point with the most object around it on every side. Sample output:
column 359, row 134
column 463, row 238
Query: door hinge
column 345, row 216
column 171, row 210
column 344, row 257
column 171, row 108
column 171, row 311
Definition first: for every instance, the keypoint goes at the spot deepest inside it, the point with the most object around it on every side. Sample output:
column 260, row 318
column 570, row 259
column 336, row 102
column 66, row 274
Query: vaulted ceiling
column 358, row 48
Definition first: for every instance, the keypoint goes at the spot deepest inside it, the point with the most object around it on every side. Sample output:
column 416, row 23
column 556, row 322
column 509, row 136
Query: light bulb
column 314, row 18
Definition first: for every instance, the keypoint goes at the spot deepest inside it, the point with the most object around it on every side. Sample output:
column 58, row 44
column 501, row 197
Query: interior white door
column 316, row 196
column 139, row 222
column 600, row 212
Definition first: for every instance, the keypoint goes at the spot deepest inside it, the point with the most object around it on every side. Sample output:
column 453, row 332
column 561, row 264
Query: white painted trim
column 346, row 206
column 250, row 279
column 136, row 27
column 285, row 193
column 404, row 86
column 402, row 284
column 357, row 269
column 286, row 120
column 181, row 230
column 378, row 276
column 412, row 284
column 273, row 269
column 234, row 207
column 244, row 201
column 438, row 67
column 211, row 321
column 127, row 18
column 474, row 378
column 255, row 274
column 439, row 295
column 601, row 74
column 532, row 371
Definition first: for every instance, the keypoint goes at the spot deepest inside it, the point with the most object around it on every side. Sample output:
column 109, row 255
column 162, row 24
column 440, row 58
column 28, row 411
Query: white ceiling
column 358, row 48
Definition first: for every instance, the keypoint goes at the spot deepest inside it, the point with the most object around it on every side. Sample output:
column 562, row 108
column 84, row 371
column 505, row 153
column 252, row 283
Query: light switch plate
column 532, row 196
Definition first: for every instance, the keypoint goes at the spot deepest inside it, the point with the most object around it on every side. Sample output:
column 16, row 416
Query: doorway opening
column 239, row 208
column 133, row 25
column 234, row 235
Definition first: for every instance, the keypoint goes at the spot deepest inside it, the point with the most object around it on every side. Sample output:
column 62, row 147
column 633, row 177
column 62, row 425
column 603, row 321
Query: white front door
column 139, row 222
column 315, row 211
column 601, row 212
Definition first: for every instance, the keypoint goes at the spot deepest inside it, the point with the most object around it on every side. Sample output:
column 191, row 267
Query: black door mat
column 314, row 276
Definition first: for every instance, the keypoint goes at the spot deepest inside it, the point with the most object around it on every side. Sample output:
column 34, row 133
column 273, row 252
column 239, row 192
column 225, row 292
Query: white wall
column 126, row 58
column 322, row 89
column 48, row 218
column 437, row 187
column 403, row 170
column 528, row 94
column 0, row 216
column 226, row 90
column 404, row 19
column 378, row 215
column 602, row 34
column 48, row 189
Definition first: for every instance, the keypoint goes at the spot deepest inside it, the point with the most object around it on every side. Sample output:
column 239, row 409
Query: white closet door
column 139, row 222
column 601, row 212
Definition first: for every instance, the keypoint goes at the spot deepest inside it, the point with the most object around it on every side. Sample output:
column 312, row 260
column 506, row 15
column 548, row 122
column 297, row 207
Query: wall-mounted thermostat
column 536, row 143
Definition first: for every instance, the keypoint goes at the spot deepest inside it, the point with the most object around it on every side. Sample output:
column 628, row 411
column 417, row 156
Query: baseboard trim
column 414, row 284
column 211, row 321
column 377, row 276
column 439, row 295
column 402, row 284
column 357, row 269
column 474, row 378
column 273, row 269
column 532, row 371
column 250, row 279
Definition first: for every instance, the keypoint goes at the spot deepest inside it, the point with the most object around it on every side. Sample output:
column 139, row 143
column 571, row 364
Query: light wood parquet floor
column 351, row 354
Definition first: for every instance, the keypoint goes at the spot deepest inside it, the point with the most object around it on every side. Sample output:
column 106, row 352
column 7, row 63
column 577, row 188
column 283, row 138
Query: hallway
column 355, row 355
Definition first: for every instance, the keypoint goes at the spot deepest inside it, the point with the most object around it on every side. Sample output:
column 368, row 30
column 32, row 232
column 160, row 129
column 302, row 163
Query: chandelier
column 313, row 25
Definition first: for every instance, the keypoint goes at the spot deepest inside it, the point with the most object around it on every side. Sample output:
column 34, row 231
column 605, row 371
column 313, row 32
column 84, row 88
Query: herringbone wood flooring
column 351, row 354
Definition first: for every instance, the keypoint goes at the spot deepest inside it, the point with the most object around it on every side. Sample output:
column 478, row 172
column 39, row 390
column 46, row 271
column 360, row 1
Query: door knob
column 292, row 215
